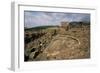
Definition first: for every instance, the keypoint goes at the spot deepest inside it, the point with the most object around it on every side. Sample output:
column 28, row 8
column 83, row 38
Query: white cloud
column 33, row 19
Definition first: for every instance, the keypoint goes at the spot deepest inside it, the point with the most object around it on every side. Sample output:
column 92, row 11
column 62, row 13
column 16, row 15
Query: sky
column 37, row 18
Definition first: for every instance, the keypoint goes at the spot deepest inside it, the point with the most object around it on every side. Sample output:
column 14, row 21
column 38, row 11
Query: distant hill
column 39, row 27
column 79, row 23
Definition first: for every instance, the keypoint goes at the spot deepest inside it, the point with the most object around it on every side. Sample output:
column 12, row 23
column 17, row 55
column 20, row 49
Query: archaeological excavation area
column 64, row 42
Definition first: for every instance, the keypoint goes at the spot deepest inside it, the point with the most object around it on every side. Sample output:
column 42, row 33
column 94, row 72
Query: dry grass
column 71, row 44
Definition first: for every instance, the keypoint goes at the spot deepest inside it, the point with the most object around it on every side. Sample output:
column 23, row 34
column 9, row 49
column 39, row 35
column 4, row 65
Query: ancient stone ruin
column 65, row 25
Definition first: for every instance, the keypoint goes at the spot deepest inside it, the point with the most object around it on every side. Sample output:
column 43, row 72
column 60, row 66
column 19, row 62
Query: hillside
column 52, row 43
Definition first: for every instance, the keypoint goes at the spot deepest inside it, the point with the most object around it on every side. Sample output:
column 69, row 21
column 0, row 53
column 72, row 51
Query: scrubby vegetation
column 55, row 43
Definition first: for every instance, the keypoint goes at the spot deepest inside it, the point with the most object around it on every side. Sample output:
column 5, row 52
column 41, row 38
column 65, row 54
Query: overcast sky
column 36, row 18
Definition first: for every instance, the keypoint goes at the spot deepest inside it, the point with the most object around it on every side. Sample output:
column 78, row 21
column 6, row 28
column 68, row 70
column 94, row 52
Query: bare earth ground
column 71, row 44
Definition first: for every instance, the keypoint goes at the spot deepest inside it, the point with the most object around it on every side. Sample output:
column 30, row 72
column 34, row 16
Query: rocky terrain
column 55, row 43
